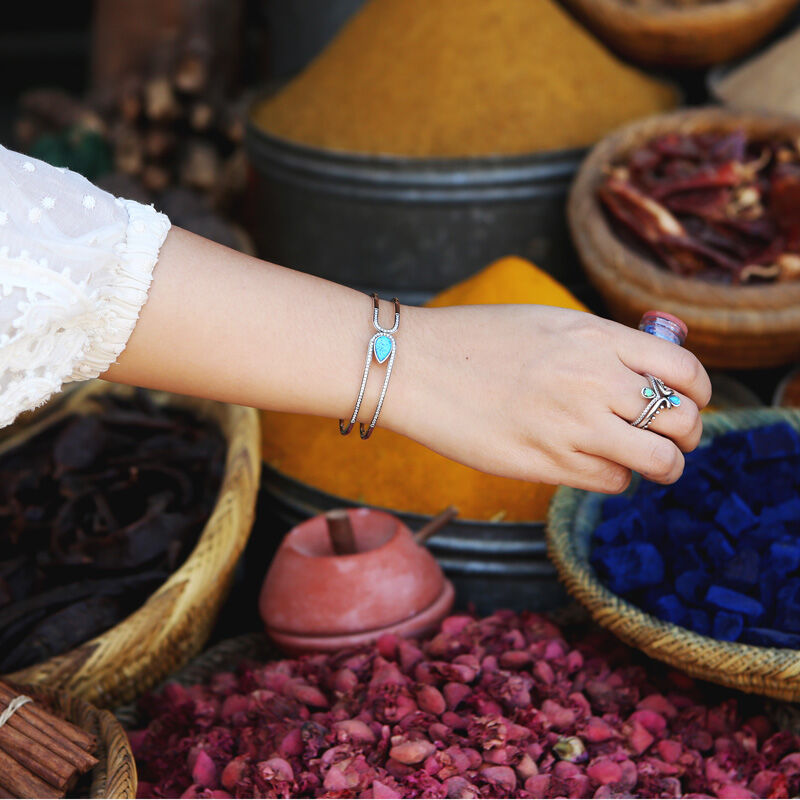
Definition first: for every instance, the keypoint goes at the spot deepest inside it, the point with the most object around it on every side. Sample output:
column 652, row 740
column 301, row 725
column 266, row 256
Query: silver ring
column 659, row 396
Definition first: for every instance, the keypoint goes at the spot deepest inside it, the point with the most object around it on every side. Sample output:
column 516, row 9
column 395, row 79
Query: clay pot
column 313, row 599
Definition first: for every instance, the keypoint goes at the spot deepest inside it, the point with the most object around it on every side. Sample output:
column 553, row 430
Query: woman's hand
column 543, row 394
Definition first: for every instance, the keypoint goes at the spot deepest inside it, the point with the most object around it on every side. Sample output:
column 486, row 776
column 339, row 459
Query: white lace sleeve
column 75, row 268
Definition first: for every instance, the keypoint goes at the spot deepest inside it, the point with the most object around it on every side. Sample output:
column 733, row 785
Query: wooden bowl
column 729, row 326
column 573, row 516
column 115, row 773
column 687, row 36
column 174, row 623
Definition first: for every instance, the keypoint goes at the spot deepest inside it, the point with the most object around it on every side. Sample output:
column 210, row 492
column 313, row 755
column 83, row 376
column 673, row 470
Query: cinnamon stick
column 5, row 792
column 69, row 751
column 33, row 711
column 21, row 783
column 38, row 759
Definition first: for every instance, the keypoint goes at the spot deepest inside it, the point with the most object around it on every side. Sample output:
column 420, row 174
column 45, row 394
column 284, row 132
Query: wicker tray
column 115, row 773
column 760, row 670
column 174, row 623
column 685, row 36
column 729, row 326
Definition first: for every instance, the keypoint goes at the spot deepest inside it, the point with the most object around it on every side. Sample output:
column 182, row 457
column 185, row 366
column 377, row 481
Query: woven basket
column 115, row 773
column 729, row 326
column 760, row 670
column 174, row 623
column 685, row 36
column 223, row 657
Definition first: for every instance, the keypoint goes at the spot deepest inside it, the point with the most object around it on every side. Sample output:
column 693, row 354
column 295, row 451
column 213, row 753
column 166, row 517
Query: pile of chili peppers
column 718, row 206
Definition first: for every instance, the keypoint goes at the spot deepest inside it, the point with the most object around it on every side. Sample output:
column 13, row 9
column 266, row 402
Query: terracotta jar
column 313, row 599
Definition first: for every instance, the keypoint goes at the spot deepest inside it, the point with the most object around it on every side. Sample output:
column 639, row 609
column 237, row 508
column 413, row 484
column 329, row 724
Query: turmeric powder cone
column 448, row 78
column 392, row 471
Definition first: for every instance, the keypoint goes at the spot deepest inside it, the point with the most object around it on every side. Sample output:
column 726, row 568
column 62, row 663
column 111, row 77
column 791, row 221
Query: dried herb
column 95, row 512
column 717, row 206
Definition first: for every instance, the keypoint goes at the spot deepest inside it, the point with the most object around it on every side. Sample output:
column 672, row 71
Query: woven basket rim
column 607, row 258
column 647, row 632
column 113, row 767
column 113, row 685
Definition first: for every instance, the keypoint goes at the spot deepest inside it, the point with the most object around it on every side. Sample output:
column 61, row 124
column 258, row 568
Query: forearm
column 221, row 324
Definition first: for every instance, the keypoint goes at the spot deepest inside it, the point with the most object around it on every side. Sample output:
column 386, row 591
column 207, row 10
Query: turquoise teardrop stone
column 383, row 348
column 648, row 393
column 674, row 399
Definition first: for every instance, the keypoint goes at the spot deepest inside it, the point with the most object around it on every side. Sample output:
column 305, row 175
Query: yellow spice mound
column 394, row 472
column 428, row 78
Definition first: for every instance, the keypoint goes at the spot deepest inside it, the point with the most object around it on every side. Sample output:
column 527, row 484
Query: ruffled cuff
column 122, row 297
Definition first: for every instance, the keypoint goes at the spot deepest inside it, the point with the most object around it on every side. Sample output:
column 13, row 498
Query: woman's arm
column 522, row 391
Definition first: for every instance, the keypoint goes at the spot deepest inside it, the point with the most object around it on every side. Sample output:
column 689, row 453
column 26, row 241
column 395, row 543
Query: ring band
column 659, row 396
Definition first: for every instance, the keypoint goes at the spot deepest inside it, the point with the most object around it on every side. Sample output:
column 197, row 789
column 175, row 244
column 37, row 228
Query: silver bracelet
column 383, row 346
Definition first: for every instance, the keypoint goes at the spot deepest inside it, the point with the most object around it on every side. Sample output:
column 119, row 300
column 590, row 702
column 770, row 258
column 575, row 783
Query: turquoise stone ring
column 659, row 396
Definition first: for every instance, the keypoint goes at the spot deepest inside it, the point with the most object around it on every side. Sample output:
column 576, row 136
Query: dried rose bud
column 409, row 655
column 515, row 659
column 345, row 680
column 574, row 661
column 354, row 730
column 559, row 717
column 538, row 786
column 734, row 790
column 430, row 699
column 382, row 791
column 455, row 694
column 308, row 695
column 659, row 704
column 502, row 777
column 234, row 772
column 669, row 750
column 460, row 788
column 650, row 720
column 604, row 770
column 455, row 625
column 387, row 646
column 526, row 767
column 639, row 738
column 544, row 672
column 597, row 730
column 570, row 749
column 412, row 752
column 204, row 771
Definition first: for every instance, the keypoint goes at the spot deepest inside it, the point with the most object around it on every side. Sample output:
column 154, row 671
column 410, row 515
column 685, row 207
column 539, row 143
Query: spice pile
column 41, row 755
column 767, row 82
column 498, row 707
column 95, row 512
column 717, row 552
column 397, row 473
column 461, row 78
column 719, row 206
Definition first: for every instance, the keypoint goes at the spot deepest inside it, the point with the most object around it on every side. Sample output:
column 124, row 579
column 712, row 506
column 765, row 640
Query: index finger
column 679, row 368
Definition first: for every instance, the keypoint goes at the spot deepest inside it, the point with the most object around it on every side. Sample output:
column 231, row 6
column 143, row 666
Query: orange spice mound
column 391, row 471
column 445, row 78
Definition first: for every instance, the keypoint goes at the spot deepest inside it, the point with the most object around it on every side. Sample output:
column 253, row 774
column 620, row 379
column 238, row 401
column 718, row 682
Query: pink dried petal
column 566, row 769
column 192, row 792
column 489, row 664
column 308, row 695
column 574, row 661
column 555, row 649
column 235, row 706
column 515, row 659
column 733, row 790
column 639, row 738
column 526, row 767
column 453, row 720
column 538, row 786
column 716, row 771
column 498, row 755
column 669, row 750
column 439, row 732
column 659, row 704
column 764, row 784
column 604, row 770
column 292, row 744
column 455, row 624
column 354, row 730
column 486, row 707
column 425, row 673
column 790, row 765
column 559, row 717
column 234, row 772
column 382, row 791
column 461, row 673
column 335, row 781
column 412, row 752
column 459, row 787
column 630, row 775
column 500, row 777
column 387, row 645
column 345, row 680
column 431, row 700
column 409, row 655
column 651, row 720
column 578, row 786
column 580, row 703
column 597, row 730
column 544, row 672
column 204, row 771
column 455, row 694
column 473, row 756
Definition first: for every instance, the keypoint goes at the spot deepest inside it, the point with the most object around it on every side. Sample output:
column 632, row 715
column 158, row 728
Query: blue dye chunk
column 734, row 516
column 735, row 602
column 727, row 627
column 768, row 637
column 719, row 551
column 699, row 621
